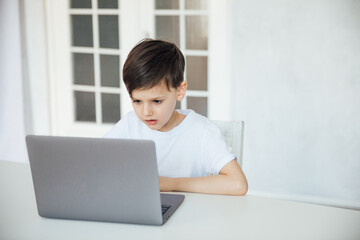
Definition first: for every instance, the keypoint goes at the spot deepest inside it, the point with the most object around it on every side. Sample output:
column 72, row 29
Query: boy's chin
column 157, row 128
column 152, row 126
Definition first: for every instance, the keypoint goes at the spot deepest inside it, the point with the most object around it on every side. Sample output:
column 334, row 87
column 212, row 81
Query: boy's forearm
column 216, row 184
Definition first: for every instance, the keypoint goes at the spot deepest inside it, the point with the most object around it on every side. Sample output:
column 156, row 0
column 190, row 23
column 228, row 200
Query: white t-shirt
column 194, row 148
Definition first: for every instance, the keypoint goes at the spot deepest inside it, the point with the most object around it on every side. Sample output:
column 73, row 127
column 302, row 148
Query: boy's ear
column 181, row 91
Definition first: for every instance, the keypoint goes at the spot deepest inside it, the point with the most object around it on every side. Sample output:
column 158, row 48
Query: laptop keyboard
column 165, row 208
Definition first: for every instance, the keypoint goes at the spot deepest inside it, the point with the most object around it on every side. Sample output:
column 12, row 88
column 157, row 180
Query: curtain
column 12, row 125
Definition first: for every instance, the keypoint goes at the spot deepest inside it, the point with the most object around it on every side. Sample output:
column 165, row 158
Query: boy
column 188, row 145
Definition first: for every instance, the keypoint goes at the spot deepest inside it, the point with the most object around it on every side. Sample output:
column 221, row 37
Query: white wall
column 296, row 83
column 12, row 128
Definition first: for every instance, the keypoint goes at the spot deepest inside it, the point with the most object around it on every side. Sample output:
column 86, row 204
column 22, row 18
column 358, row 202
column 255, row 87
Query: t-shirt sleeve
column 120, row 130
column 215, row 152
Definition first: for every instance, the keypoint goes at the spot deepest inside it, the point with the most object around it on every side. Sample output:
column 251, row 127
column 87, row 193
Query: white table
column 199, row 217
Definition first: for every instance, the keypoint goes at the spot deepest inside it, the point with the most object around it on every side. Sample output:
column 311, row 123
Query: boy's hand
column 231, row 180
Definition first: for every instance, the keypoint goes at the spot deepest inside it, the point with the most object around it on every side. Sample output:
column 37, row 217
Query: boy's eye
column 157, row 101
column 136, row 101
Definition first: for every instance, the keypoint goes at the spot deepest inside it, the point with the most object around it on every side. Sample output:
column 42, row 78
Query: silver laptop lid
column 98, row 179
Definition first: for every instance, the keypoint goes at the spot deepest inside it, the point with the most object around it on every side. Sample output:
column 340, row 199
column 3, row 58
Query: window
column 186, row 24
column 95, row 60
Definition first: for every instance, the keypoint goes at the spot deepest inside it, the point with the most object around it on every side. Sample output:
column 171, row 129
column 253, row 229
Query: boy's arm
column 231, row 181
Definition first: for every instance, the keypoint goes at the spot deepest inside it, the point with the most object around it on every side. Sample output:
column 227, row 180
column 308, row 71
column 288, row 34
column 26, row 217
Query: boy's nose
column 147, row 110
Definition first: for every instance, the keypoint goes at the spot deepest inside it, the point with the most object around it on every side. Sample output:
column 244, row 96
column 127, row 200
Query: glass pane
column 196, row 32
column 82, row 33
column 83, row 68
column 109, row 31
column 84, row 106
column 167, row 27
column 198, row 104
column 107, row 3
column 110, row 107
column 109, row 68
column 196, row 73
column 167, row 4
column 80, row 3
column 196, row 4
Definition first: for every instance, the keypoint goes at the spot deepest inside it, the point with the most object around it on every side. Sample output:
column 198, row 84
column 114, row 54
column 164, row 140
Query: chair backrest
column 233, row 132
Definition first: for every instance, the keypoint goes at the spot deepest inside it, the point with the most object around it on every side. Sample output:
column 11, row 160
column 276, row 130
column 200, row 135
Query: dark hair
column 152, row 61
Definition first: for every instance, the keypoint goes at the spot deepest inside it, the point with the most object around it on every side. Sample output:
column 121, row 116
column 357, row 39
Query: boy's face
column 156, row 106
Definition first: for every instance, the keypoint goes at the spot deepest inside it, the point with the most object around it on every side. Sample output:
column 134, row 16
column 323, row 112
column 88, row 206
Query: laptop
column 98, row 179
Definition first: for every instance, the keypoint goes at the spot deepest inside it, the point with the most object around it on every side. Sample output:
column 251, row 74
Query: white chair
column 233, row 132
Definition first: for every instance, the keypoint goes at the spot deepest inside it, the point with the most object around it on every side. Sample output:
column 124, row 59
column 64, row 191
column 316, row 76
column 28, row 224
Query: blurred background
column 289, row 69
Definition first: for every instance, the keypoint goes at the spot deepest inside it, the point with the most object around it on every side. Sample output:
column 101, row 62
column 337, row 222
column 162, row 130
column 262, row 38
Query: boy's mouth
column 151, row 122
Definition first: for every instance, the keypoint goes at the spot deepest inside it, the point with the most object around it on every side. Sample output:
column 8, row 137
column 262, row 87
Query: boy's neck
column 174, row 121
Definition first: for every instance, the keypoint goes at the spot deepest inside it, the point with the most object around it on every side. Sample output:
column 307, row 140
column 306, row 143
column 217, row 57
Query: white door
column 88, row 44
